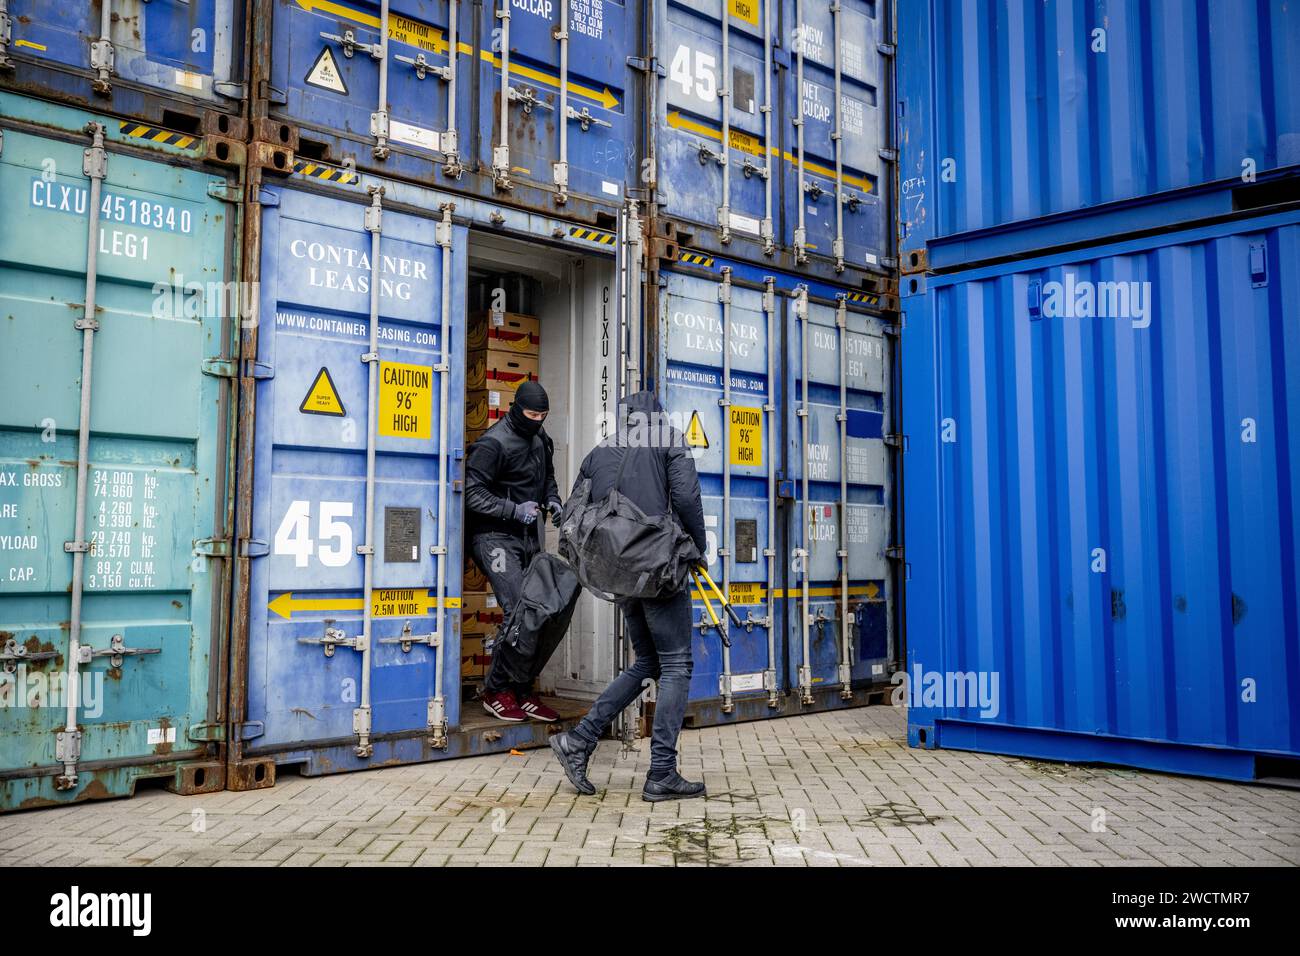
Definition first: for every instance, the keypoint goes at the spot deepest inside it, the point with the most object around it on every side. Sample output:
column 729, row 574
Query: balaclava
column 533, row 397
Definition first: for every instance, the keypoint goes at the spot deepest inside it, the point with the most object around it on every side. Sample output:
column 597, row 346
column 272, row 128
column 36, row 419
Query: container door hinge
column 885, row 49
column 895, row 553
column 229, row 89
column 889, row 262
column 266, row 197
column 887, row 154
column 6, row 36
column 220, row 189
column 646, row 65
column 207, row 733
column 220, row 368
column 251, row 730
column 212, row 547
column 253, row 548
column 258, row 370
column 896, row 440
column 272, row 95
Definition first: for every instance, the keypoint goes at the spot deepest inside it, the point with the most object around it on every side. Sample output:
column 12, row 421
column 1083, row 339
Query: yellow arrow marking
column 412, row 32
column 749, row 144
column 385, row 602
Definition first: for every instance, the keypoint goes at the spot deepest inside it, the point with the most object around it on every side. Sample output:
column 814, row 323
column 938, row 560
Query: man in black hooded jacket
column 659, row 478
column 509, row 475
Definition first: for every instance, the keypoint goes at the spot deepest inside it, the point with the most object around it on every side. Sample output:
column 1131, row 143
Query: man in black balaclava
column 509, row 475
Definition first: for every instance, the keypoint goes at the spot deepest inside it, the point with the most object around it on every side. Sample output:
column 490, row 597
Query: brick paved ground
column 839, row 789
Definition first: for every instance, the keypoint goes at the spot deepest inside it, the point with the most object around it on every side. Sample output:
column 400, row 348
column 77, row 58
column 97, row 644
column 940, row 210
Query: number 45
column 294, row 534
column 703, row 80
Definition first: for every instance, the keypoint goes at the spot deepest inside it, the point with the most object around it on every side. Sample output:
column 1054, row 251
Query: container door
column 719, row 387
column 838, row 208
column 564, row 110
column 839, row 589
column 713, row 162
column 360, row 423
column 333, row 67
column 113, row 674
column 177, row 47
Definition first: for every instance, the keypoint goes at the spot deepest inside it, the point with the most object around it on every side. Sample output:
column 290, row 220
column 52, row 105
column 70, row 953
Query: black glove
column 526, row 511
column 555, row 507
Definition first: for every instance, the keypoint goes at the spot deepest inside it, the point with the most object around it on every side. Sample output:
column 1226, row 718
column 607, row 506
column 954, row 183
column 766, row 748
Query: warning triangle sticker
column 695, row 436
column 322, row 398
column 325, row 73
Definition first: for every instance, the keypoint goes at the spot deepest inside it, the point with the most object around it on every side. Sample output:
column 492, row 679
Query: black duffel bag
column 618, row 551
column 539, row 619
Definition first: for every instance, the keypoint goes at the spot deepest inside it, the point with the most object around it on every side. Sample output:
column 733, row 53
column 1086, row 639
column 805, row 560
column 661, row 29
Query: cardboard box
column 504, row 331
column 473, row 660
column 479, row 613
column 501, row 371
column 474, row 579
column 484, row 406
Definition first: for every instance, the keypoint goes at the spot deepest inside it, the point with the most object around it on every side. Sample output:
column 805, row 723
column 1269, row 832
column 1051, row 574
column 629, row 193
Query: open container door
column 356, row 532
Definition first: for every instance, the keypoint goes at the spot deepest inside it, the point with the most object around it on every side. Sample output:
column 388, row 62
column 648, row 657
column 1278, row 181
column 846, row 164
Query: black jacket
column 504, row 468
column 659, row 476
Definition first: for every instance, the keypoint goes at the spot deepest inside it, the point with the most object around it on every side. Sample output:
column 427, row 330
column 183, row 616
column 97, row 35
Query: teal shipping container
column 117, row 318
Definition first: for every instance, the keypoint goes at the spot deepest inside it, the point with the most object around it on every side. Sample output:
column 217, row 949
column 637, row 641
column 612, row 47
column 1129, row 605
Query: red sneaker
column 532, row 706
column 503, row 706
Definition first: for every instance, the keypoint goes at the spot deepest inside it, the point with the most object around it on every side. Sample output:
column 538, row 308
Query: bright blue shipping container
column 1101, row 516
column 1022, row 109
column 117, row 271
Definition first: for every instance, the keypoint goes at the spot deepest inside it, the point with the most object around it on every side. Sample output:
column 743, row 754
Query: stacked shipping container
column 266, row 568
column 1098, row 222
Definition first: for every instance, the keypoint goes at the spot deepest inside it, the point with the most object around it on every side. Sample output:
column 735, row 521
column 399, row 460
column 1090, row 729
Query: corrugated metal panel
column 1102, row 509
column 751, row 463
column 840, row 630
column 190, row 51
column 325, row 69
column 1022, row 109
column 317, row 692
column 151, row 624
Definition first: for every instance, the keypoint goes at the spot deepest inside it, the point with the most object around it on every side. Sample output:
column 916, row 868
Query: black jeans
column 503, row 558
column 660, row 632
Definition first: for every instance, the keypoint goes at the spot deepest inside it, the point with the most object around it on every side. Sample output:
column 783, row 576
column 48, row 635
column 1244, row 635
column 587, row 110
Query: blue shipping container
column 1021, row 109
column 126, row 55
column 731, row 375
column 1101, row 522
column 114, row 521
column 359, row 410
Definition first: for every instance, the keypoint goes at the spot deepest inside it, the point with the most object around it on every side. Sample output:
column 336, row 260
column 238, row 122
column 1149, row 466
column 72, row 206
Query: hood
column 644, row 401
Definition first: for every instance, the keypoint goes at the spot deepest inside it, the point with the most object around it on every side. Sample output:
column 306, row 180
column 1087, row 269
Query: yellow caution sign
column 746, row 592
column 746, row 435
column 322, row 398
column 746, row 10
column 405, row 400
column 384, row 602
column 695, row 436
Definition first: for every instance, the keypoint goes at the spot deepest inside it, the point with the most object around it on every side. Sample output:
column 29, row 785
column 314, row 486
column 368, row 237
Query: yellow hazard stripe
column 695, row 259
column 862, row 297
column 155, row 134
column 592, row 235
column 329, row 174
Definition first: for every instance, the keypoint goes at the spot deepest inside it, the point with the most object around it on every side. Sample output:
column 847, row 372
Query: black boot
column 573, row 753
column 672, row 787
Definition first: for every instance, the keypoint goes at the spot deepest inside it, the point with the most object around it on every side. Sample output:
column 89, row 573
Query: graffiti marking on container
column 322, row 397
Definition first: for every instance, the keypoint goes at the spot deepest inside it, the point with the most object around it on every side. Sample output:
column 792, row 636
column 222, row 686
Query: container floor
column 840, row 788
